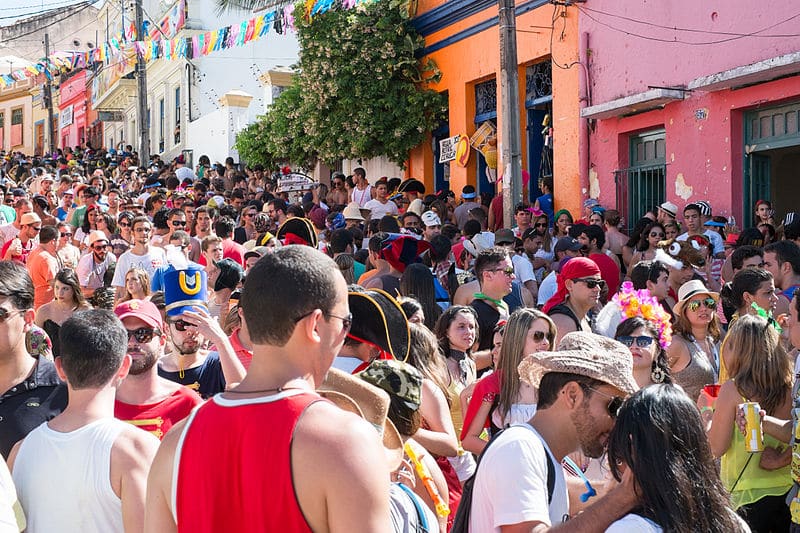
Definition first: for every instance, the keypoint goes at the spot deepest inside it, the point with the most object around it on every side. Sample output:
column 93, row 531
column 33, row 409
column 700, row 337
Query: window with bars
column 485, row 101
column 642, row 186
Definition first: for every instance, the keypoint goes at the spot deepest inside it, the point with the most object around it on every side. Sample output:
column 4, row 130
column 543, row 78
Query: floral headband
column 633, row 302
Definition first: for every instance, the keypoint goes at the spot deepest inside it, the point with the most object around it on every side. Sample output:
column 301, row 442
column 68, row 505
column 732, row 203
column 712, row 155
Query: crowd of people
column 198, row 349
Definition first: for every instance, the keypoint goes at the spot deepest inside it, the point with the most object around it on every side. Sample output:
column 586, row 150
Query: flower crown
column 633, row 302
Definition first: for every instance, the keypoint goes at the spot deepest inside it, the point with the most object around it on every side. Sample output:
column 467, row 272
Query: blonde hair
column 759, row 365
column 511, row 353
column 144, row 280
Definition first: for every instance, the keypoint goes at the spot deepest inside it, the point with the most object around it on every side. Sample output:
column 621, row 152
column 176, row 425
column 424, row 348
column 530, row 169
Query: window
column 161, row 118
column 177, row 133
column 2, row 130
column 16, row 127
column 642, row 186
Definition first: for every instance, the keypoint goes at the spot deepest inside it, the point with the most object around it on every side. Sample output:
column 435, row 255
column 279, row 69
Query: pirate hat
column 378, row 320
column 412, row 185
column 184, row 289
column 298, row 230
column 402, row 250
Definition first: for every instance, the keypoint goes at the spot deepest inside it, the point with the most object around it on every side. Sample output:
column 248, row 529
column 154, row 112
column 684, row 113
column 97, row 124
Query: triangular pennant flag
column 248, row 36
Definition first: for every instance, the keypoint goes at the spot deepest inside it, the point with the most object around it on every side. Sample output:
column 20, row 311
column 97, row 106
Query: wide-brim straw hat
column 355, row 395
column 584, row 354
column 352, row 212
column 689, row 290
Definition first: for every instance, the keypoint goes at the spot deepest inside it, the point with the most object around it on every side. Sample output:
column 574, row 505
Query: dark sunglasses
column 178, row 223
column 540, row 225
column 181, row 325
column 99, row 247
column 657, row 235
column 615, row 402
column 539, row 336
column 506, row 271
column 66, row 234
column 5, row 314
column 249, row 215
column 124, row 225
column 643, row 341
column 142, row 335
column 709, row 302
column 347, row 321
column 592, row 283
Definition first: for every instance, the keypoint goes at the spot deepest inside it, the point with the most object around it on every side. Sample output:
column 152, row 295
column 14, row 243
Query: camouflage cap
column 399, row 379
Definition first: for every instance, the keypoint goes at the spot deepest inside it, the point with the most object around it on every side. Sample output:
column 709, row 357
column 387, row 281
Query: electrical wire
column 31, row 13
column 678, row 41
column 49, row 24
column 693, row 30
column 39, row 6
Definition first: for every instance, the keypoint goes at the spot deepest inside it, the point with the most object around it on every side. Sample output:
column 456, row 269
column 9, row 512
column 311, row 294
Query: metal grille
column 486, row 98
column 640, row 189
column 538, row 81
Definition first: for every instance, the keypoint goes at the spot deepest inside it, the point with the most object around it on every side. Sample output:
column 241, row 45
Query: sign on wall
column 447, row 149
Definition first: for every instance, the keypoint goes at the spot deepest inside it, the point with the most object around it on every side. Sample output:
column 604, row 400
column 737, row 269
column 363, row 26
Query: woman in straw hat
column 659, row 437
column 694, row 352
column 501, row 398
column 760, row 372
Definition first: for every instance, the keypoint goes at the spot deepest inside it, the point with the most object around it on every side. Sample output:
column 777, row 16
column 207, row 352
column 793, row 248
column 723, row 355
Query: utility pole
column 48, row 98
column 141, row 83
column 509, row 111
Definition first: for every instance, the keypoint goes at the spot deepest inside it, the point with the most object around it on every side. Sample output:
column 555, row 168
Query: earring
column 657, row 374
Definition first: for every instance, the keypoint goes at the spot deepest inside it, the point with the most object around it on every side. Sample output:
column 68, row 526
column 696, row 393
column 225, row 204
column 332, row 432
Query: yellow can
column 753, row 437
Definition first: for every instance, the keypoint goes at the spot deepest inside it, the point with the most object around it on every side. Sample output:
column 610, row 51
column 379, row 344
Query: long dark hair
column 417, row 281
column 67, row 276
column 660, row 437
column 636, row 232
column 447, row 318
column 644, row 239
column 629, row 325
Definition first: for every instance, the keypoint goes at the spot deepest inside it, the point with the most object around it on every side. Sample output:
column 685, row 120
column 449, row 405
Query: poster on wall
column 447, row 149
column 65, row 118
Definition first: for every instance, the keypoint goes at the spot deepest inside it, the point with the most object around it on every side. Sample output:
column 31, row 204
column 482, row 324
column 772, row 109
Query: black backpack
column 461, row 520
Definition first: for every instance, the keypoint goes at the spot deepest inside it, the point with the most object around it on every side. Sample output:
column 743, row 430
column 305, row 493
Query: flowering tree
column 360, row 91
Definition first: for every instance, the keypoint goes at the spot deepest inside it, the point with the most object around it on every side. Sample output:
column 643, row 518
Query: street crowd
column 206, row 349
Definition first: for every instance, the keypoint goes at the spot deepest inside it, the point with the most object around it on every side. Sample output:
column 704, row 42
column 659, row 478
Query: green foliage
column 359, row 92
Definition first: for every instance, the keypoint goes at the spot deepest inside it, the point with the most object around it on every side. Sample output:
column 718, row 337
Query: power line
column 49, row 24
column 675, row 40
column 30, row 13
column 39, row 6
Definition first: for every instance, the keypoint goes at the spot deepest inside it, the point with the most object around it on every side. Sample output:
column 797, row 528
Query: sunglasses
column 178, row 223
column 506, row 271
column 142, row 335
column 709, row 302
column 36, row 228
column 540, row 225
column 5, row 314
column 181, row 325
column 347, row 320
column 249, row 215
column 657, row 235
column 643, row 341
column 539, row 336
column 614, row 403
column 66, row 234
column 124, row 225
column 99, row 247
column 142, row 230
column 592, row 283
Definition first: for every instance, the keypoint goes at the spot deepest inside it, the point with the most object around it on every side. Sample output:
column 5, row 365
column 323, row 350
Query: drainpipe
column 188, row 95
column 583, row 124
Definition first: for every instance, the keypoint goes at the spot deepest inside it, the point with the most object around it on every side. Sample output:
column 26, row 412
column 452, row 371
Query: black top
column 39, row 398
column 206, row 379
column 487, row 320
column 52, row 329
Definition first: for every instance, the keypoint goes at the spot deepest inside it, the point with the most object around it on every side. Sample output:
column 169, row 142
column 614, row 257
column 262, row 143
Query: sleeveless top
column 697, row 374
column 248, row 485
column 755, row 482
column 563, row 309
column 63, row 479
column 52, row 329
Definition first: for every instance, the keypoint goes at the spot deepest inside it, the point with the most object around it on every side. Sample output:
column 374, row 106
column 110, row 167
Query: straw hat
column 97, row 235
column 352, row 212
column 585, row 354
column 355, row 395
column 29, row 218
column 689, row 290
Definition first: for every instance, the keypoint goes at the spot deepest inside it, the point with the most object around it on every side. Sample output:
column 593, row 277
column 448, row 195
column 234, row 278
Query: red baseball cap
column 144, row 310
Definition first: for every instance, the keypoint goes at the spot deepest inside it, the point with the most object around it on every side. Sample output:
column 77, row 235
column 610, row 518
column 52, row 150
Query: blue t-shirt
column 546, row 205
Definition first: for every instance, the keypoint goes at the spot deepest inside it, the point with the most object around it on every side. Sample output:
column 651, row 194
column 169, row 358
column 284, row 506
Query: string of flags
column 121, row 50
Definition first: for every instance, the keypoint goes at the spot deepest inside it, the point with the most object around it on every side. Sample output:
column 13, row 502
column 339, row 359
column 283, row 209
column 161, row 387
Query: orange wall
column 476, row 59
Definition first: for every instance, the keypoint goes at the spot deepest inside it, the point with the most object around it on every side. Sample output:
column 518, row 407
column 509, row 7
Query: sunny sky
column 11, row 10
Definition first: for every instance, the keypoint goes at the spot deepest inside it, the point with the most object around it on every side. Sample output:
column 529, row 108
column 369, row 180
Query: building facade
column 462, row 37
column 689, row 102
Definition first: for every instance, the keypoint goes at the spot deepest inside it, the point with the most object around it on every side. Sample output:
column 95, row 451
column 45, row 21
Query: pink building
column 692, row 101
column 73, row 106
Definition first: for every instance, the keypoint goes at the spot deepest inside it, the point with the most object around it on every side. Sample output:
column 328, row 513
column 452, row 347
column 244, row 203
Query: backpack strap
column 551, row 477
column 423, row 519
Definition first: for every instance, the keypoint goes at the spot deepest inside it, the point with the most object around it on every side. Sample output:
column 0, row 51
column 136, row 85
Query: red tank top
column 235, row 471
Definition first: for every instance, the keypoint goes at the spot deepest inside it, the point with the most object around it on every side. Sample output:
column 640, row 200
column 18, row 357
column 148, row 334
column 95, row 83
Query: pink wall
column 73, row 92
column 622, row 64
column 705, row 155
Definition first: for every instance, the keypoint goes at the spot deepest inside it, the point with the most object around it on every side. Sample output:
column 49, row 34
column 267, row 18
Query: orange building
column 462, row 37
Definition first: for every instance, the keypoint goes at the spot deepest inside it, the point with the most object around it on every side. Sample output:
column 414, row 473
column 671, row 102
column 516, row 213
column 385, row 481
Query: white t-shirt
column 380, row 210
column 511, row 483
column 523, row 268
column 633, row 523
column 91, row 274
column 547, row 288
column 151, row 261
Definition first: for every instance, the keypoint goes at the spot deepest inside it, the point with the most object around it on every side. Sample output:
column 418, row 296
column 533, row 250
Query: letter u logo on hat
column 190, row 285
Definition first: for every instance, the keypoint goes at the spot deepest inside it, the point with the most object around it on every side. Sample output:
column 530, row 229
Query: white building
column 196, row 106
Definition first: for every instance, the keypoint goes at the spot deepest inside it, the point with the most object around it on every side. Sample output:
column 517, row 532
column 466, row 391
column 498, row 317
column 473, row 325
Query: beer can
column 753, row 438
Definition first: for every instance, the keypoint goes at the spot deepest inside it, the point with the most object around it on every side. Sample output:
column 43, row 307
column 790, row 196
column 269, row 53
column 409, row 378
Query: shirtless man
column 295, row 310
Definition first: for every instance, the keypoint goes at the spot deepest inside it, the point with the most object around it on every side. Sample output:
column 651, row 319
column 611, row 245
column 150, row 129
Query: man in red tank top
column 270, row 454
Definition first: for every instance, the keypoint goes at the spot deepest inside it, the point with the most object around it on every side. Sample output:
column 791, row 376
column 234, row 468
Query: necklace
column 262, row 391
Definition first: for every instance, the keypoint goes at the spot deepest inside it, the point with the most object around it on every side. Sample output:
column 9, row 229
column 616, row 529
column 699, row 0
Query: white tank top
column 63, row 479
